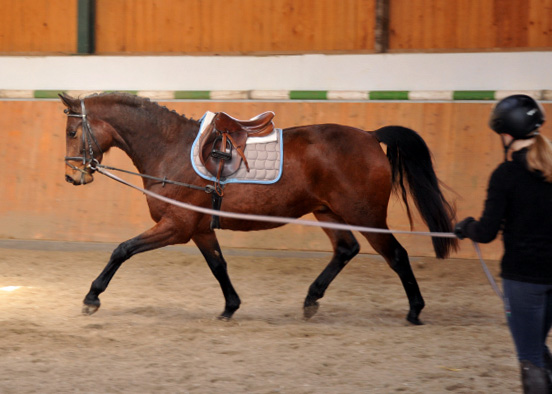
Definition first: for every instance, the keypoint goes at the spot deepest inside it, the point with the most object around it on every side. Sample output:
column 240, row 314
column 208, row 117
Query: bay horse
column 339, row 173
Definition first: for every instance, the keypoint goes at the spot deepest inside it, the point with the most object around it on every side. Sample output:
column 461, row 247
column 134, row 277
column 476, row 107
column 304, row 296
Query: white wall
column 457, row 71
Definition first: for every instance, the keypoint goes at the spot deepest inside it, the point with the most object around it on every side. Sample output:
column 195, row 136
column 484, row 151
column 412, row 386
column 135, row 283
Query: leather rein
column 90, row 162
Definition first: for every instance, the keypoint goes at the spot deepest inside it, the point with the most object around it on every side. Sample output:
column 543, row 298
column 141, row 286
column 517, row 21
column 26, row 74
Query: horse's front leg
column 158, row 236
column 209, row 247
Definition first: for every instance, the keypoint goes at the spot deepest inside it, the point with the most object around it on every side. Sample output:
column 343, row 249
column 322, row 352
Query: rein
column 98, row 167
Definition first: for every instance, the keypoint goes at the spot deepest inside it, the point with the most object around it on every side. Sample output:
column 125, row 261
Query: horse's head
column 87, row 138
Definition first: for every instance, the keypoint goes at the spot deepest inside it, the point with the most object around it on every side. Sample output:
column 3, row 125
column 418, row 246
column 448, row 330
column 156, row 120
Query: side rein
column 89, row 139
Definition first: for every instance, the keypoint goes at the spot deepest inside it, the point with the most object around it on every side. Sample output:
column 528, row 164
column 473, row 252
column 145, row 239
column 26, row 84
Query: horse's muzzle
column 82, row 179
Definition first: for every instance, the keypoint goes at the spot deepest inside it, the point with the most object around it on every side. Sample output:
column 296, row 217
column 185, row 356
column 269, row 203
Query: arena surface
column 157, row 330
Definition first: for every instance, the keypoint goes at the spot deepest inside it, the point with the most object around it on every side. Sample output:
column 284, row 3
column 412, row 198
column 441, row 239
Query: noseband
column 89, row 139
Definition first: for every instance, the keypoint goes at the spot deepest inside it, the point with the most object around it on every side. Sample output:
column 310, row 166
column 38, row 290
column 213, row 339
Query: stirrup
column 219, row 154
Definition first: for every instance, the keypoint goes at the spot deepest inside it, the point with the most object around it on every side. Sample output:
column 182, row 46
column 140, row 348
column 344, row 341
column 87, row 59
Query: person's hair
column 539, row 157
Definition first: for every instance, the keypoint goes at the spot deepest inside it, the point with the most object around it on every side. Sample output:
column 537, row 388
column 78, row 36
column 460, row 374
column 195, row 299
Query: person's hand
column 460, row 228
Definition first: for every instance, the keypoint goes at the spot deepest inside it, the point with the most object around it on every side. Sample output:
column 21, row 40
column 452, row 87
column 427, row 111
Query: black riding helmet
column 518, row 115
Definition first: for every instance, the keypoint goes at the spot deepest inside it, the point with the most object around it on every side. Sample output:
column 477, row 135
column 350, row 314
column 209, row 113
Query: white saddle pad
column 264, row 156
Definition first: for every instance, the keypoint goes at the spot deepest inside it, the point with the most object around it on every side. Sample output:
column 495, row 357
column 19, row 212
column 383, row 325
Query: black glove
column 460, row 228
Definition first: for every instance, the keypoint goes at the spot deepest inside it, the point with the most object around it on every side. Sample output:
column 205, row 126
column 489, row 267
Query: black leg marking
column 345, row 248
column 209, row 247
column 158, row 236
column 397, row 258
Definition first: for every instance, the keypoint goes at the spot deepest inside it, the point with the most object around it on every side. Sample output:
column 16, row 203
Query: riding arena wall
column 37, row 204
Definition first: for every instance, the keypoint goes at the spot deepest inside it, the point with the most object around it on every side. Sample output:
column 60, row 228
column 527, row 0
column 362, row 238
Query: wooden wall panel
column 276, row 26
column 36, row 26
column 436, row 25
column 234, row 26
column 540, row 18
column 37, row 203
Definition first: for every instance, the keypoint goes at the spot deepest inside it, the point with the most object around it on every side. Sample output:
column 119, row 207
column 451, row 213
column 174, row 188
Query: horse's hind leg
column 397, row 258
column 345, row 247
column 209, row 247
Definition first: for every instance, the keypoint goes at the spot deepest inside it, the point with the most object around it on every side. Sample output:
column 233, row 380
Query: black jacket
column 519, row 202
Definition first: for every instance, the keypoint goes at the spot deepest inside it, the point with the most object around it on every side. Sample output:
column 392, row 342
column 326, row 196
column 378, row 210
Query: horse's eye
column 72, row 134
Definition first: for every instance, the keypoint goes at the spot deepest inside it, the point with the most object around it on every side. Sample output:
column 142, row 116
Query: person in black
column 519, row 203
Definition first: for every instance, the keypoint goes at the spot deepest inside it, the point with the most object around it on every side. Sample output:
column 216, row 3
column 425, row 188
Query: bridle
column 88, row 140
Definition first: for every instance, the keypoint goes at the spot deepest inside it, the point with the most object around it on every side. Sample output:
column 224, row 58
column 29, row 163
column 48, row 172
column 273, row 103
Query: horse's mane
column 136, row 101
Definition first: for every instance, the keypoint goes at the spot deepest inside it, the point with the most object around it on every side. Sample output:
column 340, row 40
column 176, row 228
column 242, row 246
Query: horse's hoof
column 310, row 310
column 414, row 320
column 226, row 316
column 89, row 309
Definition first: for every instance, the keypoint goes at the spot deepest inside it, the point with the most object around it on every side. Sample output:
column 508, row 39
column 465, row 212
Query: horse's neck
column 150, row 143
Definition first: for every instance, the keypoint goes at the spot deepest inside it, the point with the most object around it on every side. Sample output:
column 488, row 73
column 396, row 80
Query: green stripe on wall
column 86, row 21
column 388, row 95
column 47, row 93
column 192, row 95
column 308, row 95
column 473, row 95
column 133, row 92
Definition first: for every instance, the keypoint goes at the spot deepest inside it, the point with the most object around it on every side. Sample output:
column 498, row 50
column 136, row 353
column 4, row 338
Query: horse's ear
column 67, row 100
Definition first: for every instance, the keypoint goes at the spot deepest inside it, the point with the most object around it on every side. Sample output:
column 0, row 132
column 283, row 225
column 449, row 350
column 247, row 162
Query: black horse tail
column 410, row 157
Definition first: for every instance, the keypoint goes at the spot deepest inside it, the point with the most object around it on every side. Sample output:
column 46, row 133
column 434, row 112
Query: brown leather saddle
column 222, row 143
